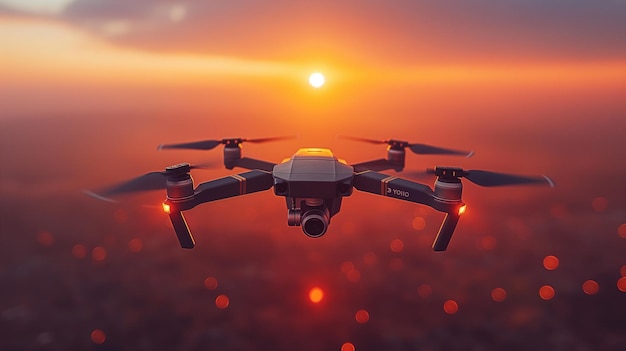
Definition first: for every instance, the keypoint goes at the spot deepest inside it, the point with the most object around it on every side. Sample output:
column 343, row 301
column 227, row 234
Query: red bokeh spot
column 210, row 283
column 418, row 223
column 450, row 307
column 396, row 245
column 316, row 295
column 99, row 254
column 354, row 276
column 135, row 245
column 222, row 301
column 591, row 287
column 546, row 292
column 98, row 336
column 621, row 230
column 600, row 204
column 424, row 291
column 498, row 294
column 45, row 239
column 623, row 271
column 621, row 284
column 362, row 316
column 550, row 263
column 347, row 347
column 79, row 251
column 347, row 267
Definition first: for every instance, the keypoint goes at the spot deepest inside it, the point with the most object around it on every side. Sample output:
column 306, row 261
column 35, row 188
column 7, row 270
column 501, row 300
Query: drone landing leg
column 182, row 230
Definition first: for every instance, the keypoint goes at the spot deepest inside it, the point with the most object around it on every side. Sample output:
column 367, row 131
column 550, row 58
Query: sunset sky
column 90, row 88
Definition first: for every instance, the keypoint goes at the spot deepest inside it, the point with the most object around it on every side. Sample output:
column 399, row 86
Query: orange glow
column 316, row 295
column 621, row 284
column 79, row 251
column 424, row 291
column 591, row 287
column 546, row 292
column 210, row 283
column 396, row 245
column 98, row 336
column 99, row 253
column 450, row 307
column 362, row 316
column 347, row 347
column 45, row 239
column 418, row 223
column 135, row 245
column 166, row 208
column 222, row 301
column 498, row 294
column 462, row 209
column 621, row 231
column 317, row 80
column 550, row 263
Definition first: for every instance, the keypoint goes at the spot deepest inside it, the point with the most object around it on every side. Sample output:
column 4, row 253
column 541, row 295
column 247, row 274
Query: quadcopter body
column 314, row 182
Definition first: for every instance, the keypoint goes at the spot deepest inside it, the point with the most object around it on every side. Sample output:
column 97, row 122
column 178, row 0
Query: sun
column 317, row 80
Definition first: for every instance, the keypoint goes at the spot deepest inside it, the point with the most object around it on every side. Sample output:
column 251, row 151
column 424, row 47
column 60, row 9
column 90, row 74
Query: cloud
column 400, row 31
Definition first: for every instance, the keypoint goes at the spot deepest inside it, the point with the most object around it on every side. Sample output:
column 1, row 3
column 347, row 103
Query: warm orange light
column 347, row 347
column 462, row 209
column 591, row 287
column 450, row 307
column 418, row 223
column 621, row 284
column 498, row 294
column 166, row 208
column 546, row 292
column 98, row 336
column 222, row 301
column 316, row 295
column 362, row 316
column 317, row 80
column 551, row 263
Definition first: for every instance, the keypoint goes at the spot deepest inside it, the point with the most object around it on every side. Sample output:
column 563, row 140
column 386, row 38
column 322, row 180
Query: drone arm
column 234, row 185
column 382, row 184
column 251, row 163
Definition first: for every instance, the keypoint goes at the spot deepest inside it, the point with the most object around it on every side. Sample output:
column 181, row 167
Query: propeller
column 211, row 144
column 488, row 178
column 420, row 149
column 147, row 182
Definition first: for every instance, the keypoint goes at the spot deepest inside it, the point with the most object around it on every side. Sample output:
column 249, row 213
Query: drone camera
column 315, row 222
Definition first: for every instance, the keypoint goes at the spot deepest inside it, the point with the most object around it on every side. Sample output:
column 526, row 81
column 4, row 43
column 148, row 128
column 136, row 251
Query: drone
column 314, row 182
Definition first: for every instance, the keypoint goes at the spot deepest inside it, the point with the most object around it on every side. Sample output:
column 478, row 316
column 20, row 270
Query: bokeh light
column 79, row 251
column 590, row 287
column 222, row 301
column 347, row 347
column 354, row 276
column 317, row 80
column 498, row 294
column 622, row 271
column 599, row 204
column 98, row 336
column 621, row 231
column 45, row 238
column 347, row 267
column 424, row 291
column 621, row 284
column 135, row 245
column 418, row 223
column 551, row 263
column 546, row 292
column 362, row 316
column 396, row 245
column 210, row 283
column 450, row 307
column 99, row 254
column 316, row 294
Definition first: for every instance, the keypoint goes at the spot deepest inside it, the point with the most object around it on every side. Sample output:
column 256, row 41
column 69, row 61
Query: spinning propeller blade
column 420, row 149
column 211, row 144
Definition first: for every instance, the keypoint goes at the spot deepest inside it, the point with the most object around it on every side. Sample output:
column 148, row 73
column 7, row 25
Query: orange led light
column 166, row 208
column 462, row 209
column 316, row 295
